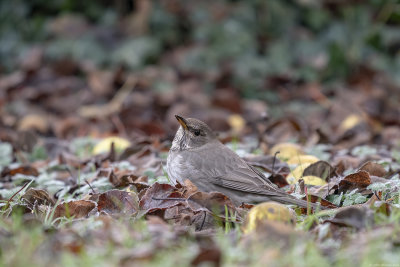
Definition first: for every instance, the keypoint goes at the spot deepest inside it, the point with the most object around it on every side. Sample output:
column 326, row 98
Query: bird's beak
column 182, row 122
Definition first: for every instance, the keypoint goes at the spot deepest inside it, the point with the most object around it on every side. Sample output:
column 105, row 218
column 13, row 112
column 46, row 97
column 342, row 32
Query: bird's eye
column 196, row 132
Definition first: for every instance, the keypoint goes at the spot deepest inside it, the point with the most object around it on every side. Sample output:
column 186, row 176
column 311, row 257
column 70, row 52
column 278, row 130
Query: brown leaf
column 345, row 162
column 75, row 208
column 160, row 197
column 190, row 188
column 315, row 199
column 33, row 122
column 37, row 197
column 210, row 255
column 373, row 168
column 122, row 178
column 118, row 201
column 179, row 215
column 25, row 170
column 321, row 169
column 359, row 180
column 352, row 217
column 246, row 206
column 138, row 187
column 278, row 179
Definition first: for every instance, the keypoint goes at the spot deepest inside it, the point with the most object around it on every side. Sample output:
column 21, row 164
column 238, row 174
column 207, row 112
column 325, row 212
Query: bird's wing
column 219, row 157
column 261, row 175
column 263, row 190
column 237, row 183
column 227, row 170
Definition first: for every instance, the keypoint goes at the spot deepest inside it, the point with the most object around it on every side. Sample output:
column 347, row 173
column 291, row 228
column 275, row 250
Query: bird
column 197, row 154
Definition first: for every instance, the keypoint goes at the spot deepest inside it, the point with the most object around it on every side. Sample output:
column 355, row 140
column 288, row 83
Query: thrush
column 196, row 154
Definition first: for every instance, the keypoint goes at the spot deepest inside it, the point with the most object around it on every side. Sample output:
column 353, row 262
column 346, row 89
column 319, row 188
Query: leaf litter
column 83, row 149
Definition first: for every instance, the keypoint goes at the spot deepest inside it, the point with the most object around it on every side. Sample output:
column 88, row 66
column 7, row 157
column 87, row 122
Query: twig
column 273, row 161
column 94, row 192
column 11, row 198
column 119, row 125
column 204, row 220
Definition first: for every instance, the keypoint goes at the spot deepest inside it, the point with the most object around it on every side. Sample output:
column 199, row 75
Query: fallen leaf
column 236, row 122
column 373, row 168
column 300, row 159
column 34, row 122
column 278, row 179
column 208, row 256
column 37, row 197
column 25, row 170
column 267, row 211
column 359, row 180
column 286, row 151
column 118, row 202
column 350, row 122
column 160, row 197
column 352, row 217
column 104, row 145
column 275, row 233
column 313, row 180
column 315, row 199
column 321, row 169
column 123, row 178
column 297, row 173
column 75, row 208
column 190, row 188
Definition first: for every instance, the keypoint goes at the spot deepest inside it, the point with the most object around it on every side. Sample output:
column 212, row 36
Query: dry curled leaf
column 25, row 170
column 373, row 168
column 37, row 197
column 321, row 169
column 118, row 202
column 75, row 208
column 359, row 180
column 211, row 255
column 314, row 199
column 357, row 217
column 160, row 196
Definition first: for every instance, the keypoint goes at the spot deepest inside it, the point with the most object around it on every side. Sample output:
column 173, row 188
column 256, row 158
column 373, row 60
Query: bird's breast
column 195, row 164
column 177, row 166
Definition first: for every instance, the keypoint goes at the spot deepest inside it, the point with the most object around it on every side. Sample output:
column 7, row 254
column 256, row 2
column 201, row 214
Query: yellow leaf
column 104, row 145
column 313, row 180
column 297, row 173
column 286, row 151
column 268, row 211
column 301, row 159
column 236, row 122
column 350, row 122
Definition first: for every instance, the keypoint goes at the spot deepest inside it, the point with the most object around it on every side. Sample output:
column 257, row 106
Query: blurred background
column 310, row 71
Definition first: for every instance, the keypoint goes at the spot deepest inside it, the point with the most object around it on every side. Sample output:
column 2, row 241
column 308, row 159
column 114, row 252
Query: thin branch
column 11, row 198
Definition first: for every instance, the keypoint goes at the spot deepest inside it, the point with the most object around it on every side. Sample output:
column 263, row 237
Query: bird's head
column 192, row 133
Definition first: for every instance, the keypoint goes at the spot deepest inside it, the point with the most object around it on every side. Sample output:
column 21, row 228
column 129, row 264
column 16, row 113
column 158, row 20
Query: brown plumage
column 196, row 154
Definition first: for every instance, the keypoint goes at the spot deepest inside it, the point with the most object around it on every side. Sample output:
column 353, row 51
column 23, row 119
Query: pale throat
column 180, row 141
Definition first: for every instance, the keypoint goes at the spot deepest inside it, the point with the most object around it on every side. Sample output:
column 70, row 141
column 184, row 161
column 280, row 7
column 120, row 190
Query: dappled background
column 72, row 69
column 308, row 91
